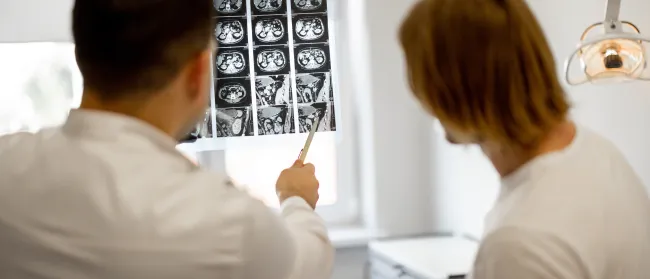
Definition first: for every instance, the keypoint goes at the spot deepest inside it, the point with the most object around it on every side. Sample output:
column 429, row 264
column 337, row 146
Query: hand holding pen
column 300, row 180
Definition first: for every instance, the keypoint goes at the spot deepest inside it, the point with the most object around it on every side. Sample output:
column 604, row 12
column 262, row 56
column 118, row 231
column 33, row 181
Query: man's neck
column 508, row 160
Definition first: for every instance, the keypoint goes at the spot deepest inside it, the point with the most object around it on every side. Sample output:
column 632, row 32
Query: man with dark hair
column 107, row 195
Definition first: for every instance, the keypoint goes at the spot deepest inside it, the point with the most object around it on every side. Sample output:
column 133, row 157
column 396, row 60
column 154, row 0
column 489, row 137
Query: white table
column 422, row 258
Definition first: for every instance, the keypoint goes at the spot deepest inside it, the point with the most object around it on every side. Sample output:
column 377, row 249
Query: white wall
column 394, row 132
column 35, row 20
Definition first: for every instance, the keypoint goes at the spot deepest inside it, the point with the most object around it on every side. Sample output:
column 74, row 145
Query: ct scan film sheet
column 273, row 69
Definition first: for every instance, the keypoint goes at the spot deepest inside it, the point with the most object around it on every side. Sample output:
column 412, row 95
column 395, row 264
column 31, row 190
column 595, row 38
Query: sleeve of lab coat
column 294, row 245
column 513, row 253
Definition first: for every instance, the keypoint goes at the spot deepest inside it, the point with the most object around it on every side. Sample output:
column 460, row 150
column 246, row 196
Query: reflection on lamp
column 614, row 54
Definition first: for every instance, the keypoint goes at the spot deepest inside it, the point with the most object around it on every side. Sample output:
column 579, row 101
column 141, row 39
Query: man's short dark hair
column 127, row 46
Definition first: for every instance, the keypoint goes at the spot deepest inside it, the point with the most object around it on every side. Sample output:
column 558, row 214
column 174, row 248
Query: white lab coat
column 106, row 196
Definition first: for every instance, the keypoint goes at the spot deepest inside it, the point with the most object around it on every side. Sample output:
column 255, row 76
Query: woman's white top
column 581, row 213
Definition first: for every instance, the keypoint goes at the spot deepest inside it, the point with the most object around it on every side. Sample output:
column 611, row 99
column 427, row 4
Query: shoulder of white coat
column 514, row 252
column 19, row 149
column 21, row 140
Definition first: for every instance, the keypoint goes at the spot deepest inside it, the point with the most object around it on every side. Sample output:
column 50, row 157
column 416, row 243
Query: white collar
column 119, row 128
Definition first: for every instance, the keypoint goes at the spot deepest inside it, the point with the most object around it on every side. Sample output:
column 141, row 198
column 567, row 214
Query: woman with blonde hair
column 570, row 206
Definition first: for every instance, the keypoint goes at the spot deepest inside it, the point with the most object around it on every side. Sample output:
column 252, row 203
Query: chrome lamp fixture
column 610, row 51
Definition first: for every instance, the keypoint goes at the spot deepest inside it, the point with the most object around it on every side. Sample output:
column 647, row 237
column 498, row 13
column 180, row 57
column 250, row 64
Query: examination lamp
column 609, row 51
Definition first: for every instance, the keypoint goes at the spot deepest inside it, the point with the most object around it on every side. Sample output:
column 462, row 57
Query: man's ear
column 199, row 75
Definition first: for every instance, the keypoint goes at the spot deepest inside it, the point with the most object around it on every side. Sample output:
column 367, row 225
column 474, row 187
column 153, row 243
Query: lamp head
column 609, row 52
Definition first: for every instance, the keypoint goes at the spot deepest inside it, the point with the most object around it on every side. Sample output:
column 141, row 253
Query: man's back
column 579, row 213
column 109, row 197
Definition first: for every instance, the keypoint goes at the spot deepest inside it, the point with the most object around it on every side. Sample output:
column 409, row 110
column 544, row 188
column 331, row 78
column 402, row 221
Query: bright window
column 258, row 168
column 41, row 84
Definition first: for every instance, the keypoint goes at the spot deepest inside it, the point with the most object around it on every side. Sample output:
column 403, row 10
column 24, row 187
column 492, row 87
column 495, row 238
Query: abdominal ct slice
column 308, row 5
column 230, row 62
column 232, row 93
column 271, row 60
column 268, row 6
column 312, row 58
column 228, row 6
column 310, row 28
column 269, row 30
column 232, row 122
column 237, row 125
column 229, row 32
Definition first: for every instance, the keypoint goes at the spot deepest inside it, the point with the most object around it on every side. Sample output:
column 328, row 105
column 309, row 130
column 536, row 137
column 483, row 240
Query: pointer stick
column 305, row 149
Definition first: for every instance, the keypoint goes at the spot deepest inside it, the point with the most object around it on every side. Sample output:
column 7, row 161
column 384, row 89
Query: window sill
column 349, row 237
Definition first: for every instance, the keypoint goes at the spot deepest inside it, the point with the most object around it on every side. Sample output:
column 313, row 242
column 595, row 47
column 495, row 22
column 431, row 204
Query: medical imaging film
column 234, row 122
column 233, row 92
column 273, row 90
column 271, row 60
column 230, row 7
column 270, row 30
column 308, row 6
column 203, row 129
column 310, row 28
column 312, row 58
column 308, row 113
column 269, row 7
column 275, row 120
column 231, row 62
column 316, row 87
column 231, row 32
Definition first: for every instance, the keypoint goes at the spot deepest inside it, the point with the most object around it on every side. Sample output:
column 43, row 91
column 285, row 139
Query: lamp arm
column 612, row 11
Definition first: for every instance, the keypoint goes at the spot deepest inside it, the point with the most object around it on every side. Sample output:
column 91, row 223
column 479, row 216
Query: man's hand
column 298, row 181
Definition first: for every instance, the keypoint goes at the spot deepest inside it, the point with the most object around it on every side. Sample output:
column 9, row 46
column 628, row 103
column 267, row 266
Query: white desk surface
column 435, row 257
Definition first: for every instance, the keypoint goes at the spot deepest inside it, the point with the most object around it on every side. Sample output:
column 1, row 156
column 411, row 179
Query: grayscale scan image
column 234, row 122
column 272, row 60
column 312, row 58
column 270, row 30
column 308, row 6
column 316, row 87
column 269, row 7
column 275, row 120
column 231, row 32
column 231, row 62
column 233, row 92
column 230, row 7
column 310, row 28
column 273, row 90
column 308, row 113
